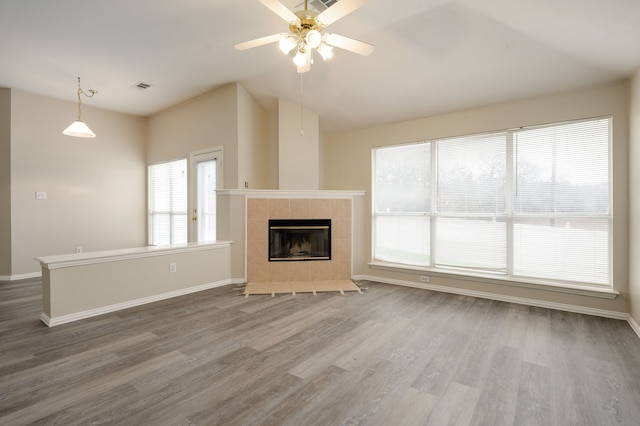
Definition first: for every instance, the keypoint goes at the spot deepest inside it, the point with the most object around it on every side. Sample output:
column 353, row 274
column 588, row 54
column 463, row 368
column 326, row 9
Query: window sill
column 583, row 290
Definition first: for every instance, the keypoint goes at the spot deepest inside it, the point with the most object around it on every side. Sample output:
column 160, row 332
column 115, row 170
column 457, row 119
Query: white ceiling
column 431, row 56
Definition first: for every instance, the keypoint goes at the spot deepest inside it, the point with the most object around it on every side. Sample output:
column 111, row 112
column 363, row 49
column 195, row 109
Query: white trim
column 63, row 319
column 558, row 287
column 502, row 298
column 20, row 276
column 92, row 258
column 634, row 325
column 262, row 193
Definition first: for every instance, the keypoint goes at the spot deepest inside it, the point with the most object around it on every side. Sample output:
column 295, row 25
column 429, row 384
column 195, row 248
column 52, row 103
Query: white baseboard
column 63, row 319
column 20, row 276
column 503, row 298
column 634, row 325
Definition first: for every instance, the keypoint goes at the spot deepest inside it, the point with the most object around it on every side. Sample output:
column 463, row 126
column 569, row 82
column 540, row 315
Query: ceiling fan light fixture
column 307, row 32
column 313, row 38
column 301, row 58
column 325, row 51
column 287, row 43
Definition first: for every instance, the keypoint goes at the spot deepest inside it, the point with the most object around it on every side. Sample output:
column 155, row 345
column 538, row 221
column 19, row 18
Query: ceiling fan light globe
column 287, row 43
column 313, row 38
column 325, row 51
column 300, row 59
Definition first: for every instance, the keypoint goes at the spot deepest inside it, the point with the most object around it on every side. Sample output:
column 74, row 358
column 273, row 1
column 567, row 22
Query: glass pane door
column 205, row 178
column 206, row 200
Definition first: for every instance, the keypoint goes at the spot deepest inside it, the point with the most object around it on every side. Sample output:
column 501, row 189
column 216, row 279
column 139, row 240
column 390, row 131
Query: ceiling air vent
column 318, row 5
column 328, row 3
column 141, row 85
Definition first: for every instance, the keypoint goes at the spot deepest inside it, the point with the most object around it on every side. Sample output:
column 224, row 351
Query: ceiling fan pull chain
column 301, row 95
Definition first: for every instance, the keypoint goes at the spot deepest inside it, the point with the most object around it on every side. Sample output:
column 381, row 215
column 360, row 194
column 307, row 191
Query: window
column 402, row 204
column 168, row 203
column 531, row 203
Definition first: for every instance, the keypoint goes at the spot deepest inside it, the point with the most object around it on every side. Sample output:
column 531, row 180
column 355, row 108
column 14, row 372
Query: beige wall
column 634, row 179
column 253, row 165
column 96, row 192
column 272, row 149
column 5, row 182
column 204, row 122
column 77, row 287
column 298, row 154
column 226, row 117
column 347, row 166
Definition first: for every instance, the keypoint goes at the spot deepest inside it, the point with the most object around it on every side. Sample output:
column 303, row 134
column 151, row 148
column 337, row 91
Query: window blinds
column 168, row 203
column 532, row 202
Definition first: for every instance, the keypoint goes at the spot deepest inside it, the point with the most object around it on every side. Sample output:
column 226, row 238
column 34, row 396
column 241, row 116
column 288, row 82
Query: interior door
column 206, row 177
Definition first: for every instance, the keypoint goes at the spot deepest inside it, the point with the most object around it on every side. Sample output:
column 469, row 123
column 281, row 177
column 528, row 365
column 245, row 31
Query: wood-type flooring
column 390, row 356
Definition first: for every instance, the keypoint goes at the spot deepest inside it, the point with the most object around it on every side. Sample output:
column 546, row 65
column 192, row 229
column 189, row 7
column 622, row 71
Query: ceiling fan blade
column 280, row 10
column 346, row 43
column 258, row 42
column 338, row 10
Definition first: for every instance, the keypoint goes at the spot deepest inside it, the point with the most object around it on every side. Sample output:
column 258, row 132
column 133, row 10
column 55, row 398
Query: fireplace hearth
column 299, row 239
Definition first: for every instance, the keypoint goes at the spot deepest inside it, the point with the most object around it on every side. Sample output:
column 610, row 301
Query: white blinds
column 471, row 230
column 562, row 202
column 532, row 202
column 563, row 169
column 168, row 203
column 402, row 202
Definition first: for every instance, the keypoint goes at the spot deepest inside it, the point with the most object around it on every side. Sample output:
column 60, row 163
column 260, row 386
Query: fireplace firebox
column 299, row 239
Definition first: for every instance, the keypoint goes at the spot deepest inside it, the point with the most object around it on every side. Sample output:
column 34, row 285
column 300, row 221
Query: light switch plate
column 41, row 195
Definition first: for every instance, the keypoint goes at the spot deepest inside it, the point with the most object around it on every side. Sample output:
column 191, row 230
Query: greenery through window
column 532, row 203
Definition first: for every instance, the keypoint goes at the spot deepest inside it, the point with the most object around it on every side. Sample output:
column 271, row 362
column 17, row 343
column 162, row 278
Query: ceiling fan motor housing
column 306, row 22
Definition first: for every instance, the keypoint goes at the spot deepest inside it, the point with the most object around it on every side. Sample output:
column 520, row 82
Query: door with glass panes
column 206, row 177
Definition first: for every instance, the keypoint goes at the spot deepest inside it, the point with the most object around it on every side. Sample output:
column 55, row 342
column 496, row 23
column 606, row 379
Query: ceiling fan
column 306, row 32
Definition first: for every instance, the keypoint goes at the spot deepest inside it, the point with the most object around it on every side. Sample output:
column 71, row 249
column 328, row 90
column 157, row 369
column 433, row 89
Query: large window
column 531, row 203
column 168, row 203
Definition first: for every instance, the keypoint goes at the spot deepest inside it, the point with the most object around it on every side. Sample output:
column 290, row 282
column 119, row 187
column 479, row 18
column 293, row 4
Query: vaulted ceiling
column 431, row 56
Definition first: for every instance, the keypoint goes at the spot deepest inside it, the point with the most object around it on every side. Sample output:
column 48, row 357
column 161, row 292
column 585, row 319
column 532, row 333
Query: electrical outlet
column 78, row 249
column 41, row 195
column 173, row 268
column 424, row 278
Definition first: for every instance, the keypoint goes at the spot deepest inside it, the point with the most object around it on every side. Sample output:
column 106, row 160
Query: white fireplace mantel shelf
column 277, row 193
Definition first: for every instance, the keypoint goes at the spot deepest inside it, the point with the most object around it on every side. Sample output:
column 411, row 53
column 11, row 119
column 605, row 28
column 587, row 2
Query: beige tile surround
column 260, row 210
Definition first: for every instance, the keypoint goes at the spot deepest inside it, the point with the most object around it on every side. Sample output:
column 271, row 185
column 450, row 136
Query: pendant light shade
column 78, row 128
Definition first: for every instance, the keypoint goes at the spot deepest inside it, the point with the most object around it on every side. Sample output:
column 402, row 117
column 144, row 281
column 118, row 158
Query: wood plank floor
column 391, row 356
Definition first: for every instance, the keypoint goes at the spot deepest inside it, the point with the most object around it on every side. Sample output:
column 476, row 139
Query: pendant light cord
column 82, row 92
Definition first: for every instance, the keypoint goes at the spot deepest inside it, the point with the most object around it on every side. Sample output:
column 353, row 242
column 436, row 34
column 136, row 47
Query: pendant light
column 78, row 128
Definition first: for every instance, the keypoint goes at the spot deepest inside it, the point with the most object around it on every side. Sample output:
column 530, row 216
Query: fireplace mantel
column 291, row 194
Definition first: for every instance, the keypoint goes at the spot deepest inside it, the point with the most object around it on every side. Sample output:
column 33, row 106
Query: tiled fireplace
column 338, row 211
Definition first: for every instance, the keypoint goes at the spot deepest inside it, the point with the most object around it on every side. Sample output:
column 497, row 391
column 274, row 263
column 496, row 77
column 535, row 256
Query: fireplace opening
column 299, row 239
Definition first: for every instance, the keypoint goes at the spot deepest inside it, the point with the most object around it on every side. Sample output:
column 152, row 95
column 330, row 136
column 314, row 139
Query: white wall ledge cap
column 89, row 258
